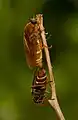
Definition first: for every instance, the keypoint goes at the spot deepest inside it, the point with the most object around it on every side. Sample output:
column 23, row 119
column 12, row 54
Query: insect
column 33, row 42
column 39, row 86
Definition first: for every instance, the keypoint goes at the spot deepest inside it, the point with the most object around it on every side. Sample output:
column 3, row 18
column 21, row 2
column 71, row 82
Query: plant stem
column 53, row 101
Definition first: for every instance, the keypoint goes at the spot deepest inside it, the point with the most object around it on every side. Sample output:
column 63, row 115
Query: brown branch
column 53, row 102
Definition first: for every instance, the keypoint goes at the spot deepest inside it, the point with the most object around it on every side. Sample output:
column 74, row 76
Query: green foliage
column 61, row 20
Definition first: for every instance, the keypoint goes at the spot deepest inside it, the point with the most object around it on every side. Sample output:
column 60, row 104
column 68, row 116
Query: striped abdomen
column 39, row 86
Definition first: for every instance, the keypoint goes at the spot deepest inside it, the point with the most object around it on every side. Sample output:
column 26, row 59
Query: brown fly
column 33, row 42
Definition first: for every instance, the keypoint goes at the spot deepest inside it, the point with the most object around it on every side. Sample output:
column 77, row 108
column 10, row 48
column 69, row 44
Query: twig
column 53, row 102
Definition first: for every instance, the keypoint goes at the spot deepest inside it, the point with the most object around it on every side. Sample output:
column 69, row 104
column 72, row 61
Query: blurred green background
column 61, row 21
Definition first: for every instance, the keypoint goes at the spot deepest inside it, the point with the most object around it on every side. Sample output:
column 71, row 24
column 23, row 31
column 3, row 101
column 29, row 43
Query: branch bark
column 53, row 101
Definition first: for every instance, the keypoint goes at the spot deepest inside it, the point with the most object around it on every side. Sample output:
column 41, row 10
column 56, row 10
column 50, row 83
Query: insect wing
column 28, row 47
column 32, row 45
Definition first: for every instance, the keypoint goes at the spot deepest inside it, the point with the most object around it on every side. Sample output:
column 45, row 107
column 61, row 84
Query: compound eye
column 33, row 20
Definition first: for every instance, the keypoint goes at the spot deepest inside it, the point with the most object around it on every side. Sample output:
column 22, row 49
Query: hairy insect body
column 39, row 86
column 33, row 43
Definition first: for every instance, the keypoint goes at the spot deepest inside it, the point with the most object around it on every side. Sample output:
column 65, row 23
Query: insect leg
column 49, row 82
column 43, row 46
column 47, row 46
column 46, row 33
column 49, row 36
column 47, row 92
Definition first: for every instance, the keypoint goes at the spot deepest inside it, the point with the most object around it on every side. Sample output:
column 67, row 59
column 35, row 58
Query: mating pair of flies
column 33, row 46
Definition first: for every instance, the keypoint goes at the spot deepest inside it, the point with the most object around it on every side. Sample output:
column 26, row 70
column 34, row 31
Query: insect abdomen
column 39, row 87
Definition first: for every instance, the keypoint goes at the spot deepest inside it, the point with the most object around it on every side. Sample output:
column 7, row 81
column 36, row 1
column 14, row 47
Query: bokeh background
column 61, row 21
